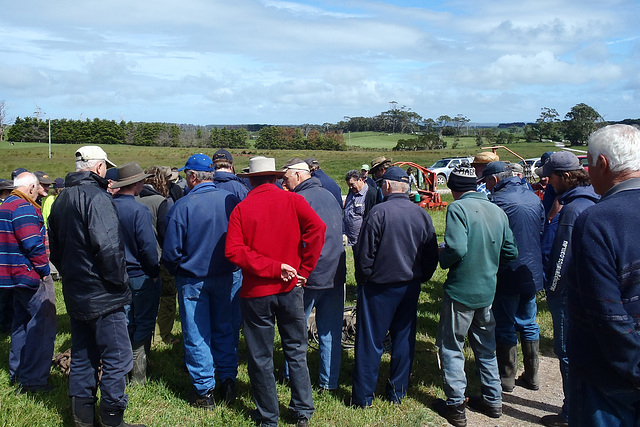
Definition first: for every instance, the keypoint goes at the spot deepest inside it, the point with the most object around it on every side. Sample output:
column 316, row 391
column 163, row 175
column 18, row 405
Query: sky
column 296, row 62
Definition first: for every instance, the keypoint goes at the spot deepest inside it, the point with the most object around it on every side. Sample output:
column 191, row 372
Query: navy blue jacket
column 196, row 232
column 603, row 342
column 328, row 183
column 575, row 201
column 230, row 182
column 140, row 244
column 323, row 202
column 526, row 220
column 397, row 243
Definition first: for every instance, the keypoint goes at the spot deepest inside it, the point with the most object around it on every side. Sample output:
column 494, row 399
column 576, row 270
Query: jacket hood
column 225, row 176
column 308, row 183
column 148, row 190
column 84, row 178
column 586, row 192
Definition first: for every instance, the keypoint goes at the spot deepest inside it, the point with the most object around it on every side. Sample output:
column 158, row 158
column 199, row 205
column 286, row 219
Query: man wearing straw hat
column 276, row 238
column 143, row 267
column 193, row 251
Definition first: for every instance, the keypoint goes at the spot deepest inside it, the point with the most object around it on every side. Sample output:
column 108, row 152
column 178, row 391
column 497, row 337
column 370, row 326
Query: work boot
column 455, row 415
column 507, row 356
column 83, row 411
column 138, row 373
column 228, row 391
column 113, row 417
column 529, row 378
column 478, row 404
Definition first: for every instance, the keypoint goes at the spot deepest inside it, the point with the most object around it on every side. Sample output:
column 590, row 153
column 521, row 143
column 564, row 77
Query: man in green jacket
column 477, row 238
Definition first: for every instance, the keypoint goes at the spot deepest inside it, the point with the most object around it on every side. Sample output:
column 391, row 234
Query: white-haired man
column 87, row 248
column 603, row 342
column 24, row 268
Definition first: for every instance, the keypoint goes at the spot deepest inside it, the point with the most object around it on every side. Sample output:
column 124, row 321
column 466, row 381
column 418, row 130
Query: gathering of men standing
column 276, row 238
column 87, row 248
column 24, row 268
column 324, row 288
column 514, row 306
column 395, row 253
column 193, row 252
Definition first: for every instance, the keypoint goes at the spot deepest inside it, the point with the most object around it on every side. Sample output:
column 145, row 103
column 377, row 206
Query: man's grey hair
column 619, row 144
column 503, row 175
column 355, row 174
column 398, row 187
column 201, row 175
column 86, row 165
column 25, row 179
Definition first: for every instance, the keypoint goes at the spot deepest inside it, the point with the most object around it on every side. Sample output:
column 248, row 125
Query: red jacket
column 268, row 228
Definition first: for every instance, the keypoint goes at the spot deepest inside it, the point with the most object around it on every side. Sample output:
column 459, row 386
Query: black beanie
column 463, row 179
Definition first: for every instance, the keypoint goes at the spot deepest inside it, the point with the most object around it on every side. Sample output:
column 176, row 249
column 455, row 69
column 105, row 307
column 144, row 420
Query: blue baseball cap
column 198, row 162
column 493, row 168
column 394, row 173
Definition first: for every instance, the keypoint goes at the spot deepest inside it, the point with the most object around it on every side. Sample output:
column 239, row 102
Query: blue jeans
column 515, row 314
column 592, row 406
column 105, row 339
column 329, row 304
column 236, row 312
column 143, row 310
column 456, row 321
column 382, row 308
column 260, row 316
column 559, row 312
column 33, row 333
column 207, row 330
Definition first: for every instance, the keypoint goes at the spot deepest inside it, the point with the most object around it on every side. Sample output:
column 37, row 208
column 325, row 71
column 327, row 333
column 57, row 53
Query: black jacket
column 87, row 247
column 397, row 243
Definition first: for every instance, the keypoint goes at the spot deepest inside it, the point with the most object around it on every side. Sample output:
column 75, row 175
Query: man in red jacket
column 275, row 237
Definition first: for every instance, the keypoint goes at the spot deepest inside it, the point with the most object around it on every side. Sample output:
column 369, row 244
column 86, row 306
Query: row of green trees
column 578, row 124
column 289, row 138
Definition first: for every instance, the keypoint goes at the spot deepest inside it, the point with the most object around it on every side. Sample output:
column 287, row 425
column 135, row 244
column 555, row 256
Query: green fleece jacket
column 477, row 238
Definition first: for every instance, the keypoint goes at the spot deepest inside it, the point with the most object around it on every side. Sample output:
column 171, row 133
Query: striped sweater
column 23, row 257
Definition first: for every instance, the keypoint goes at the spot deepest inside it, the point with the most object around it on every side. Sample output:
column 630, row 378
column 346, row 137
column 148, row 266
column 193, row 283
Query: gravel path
column 524, row 407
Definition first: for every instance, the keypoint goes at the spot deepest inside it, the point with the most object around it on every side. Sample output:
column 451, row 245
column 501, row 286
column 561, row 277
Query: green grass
column 163, row 401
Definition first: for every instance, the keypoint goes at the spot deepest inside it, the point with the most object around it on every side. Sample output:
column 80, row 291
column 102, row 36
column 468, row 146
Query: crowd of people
column 265, row 247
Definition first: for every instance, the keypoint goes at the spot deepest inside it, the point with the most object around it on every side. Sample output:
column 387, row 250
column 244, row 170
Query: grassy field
column 163, row 401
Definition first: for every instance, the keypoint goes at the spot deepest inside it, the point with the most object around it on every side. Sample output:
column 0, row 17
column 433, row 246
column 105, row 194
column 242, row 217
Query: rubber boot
column 507, row 356
column 83, row 411
column 139, row 370
column 529, row 378
column 113, row 417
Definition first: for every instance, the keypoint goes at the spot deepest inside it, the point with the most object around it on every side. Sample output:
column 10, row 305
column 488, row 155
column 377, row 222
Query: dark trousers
column 260, row 316
column 6, row 310
column 104, row 338
column 382, row 308
column 33, row 334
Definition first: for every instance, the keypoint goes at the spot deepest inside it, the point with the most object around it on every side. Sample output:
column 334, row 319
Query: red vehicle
column 584, row 162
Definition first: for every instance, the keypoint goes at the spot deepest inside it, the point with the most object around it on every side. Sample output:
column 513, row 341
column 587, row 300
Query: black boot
column 113, row 417
column 83, row 411
column 529, row 379
column 139, row 370
column 507, row 356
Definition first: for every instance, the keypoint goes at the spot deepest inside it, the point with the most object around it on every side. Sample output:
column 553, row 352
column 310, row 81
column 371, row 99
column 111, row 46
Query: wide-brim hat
column 379, row 161
column 128, row 174
column 6, row 184
column 485, row 157
column 262, row 166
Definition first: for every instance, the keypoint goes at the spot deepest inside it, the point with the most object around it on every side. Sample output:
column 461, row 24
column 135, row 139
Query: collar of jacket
column 23, row 196
column 307, row 183
column 628, row 184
